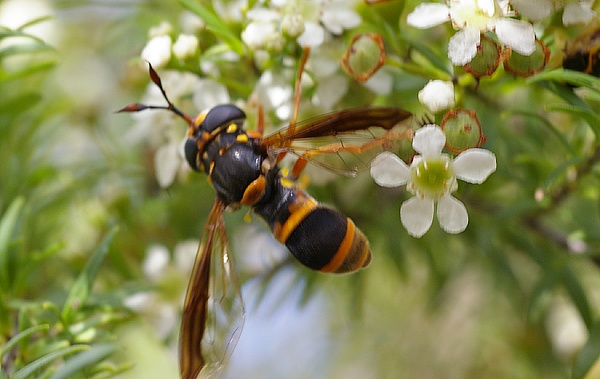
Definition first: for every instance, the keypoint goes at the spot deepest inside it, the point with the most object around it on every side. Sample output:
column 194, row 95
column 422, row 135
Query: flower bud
column 462, row 130
column 486, row 60
column 365, row 55
column 185, row 46
column 437, row 95
column 525, row 66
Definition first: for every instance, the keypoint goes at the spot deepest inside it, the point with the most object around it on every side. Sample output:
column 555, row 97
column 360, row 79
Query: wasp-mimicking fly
column 242, row 166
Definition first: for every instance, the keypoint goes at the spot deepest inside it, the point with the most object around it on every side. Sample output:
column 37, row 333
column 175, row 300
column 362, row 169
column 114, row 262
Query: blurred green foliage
column 80, row 207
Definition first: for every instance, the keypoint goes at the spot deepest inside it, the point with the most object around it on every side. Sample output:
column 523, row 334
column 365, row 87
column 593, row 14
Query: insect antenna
column 136, row 107
column 298, row 86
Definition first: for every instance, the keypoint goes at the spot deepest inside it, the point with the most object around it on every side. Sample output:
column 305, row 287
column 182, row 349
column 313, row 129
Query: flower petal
column 428, row 15
column 429, row 140
column 312, row 36
column 166, row 164
column 462, row 47
column 157, row 51
column 389, row 171
column 517, row 34
column 474, row 165
column 533, row 9
column 487, row 6
column 578, row 12
column 208, row 93
column 336, row 19
column 452, row 214
column 417, row 215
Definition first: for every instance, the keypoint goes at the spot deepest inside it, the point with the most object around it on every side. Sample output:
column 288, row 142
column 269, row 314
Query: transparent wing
column 336, row 123
column 348, row 154
column 343, row 142
column 213, row 313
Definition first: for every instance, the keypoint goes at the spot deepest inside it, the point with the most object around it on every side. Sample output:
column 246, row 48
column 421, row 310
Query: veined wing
column 331, row 124
column 343, row 142
column 213, row 313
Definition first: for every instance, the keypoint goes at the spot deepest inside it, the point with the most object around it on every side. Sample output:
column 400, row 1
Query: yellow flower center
column 432, row 178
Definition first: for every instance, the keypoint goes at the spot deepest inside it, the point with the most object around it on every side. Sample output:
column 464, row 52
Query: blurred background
column 97, row 239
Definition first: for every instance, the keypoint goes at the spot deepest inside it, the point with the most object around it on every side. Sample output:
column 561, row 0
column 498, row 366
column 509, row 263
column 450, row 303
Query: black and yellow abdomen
column 242, row 173
column 321, row 238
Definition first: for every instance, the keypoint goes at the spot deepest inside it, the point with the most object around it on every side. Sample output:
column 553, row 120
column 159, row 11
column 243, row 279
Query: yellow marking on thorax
column 242, row 138
column 232, row 128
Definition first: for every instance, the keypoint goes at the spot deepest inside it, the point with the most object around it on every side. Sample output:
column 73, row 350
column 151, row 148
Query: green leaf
column 36, row 21
column 27, row 70
column 592, row 118
column 21, row 336
column 575, row 78
column 8, row 225
column 28, row 371
column 83, row 285
column 10, row 33
column 589, row 354
column 24, row 49
column 572, row 283
column 548, row 124
column 84, row 359
column 215, row 24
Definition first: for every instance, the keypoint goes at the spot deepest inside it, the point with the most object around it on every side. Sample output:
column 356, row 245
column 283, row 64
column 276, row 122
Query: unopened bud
column 462, row 130
column 365, row 55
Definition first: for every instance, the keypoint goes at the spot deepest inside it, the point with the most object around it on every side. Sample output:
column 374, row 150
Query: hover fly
column 242, row 166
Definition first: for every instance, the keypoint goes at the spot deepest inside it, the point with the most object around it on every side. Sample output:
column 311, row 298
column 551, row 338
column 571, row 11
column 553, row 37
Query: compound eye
column 190, row 149
column 222, row 115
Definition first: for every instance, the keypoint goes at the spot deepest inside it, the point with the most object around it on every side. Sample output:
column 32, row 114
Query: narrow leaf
column 36, row 21
column 8, row 225
column 578, row 295
column 83, row 285
column 593, row 119
column 83, row 359
column 575, row 78
column 215, row 24
column 21, row 336
column 28, row 371
column 24, row 49
column 589, row 354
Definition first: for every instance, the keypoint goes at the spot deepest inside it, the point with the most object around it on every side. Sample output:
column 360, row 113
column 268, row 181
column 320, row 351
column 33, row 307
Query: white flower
column 185, row 46
column 155, row 262
column 209, row 93
column 437, row 95
column 264, row 24
column 474, row 17
column 309, row 21
column 164, row 130
column 432, row 178
column 157, row 51
column 338, row 17
column 313, row 35
column 292, row 24
column 163, row 29
column 575, row 11
column 160, row 306
column 566, row 330
column 167, row 162
column 275, row 93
